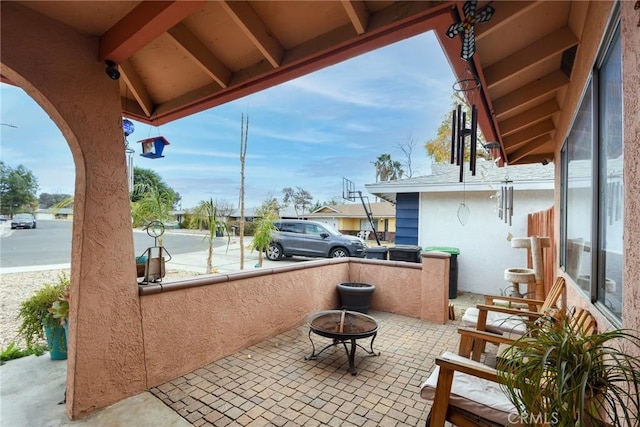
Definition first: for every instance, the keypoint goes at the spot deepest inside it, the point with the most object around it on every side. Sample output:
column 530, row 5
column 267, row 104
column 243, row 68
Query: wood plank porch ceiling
column 178, row 58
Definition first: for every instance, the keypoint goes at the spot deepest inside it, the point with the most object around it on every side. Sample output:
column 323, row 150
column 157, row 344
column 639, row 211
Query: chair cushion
column 476, row 395
column 496, row 322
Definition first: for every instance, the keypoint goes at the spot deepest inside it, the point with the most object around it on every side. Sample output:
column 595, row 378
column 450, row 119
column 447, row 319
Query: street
column 50, row 243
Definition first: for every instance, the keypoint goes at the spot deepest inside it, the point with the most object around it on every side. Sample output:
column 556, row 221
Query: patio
column 533, row 63
column 271, row 383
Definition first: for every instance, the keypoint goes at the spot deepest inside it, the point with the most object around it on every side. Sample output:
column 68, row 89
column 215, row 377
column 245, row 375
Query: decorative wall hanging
column 466, row 27
column 459, row 132
column 128, row 129
column 152, row 148
column 505, row 204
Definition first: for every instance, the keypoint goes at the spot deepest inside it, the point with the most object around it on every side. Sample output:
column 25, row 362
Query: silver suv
column 312, row 239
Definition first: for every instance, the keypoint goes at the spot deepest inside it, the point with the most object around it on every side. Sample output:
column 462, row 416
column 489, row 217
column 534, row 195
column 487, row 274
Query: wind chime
column 128, row 129
column 468, row 84
column 505, row 203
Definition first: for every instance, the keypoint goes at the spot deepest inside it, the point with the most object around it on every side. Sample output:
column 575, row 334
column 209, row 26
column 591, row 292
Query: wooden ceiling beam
column 505, row 12
column 524, row 156
column 255, row 29
column 200, row 54
column 137, row 88
column 394, row 23
column 146, row 22
column 528, row 134
column 530, row 93
column 358, row 14
column 529, row 117
column 533, row 54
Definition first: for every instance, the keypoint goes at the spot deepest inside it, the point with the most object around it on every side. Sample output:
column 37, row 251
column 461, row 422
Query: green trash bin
column 453, row 266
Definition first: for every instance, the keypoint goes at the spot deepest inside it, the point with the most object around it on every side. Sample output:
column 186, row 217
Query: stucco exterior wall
column 485, row 251
column 398, row 285
column 631, row 133
column 188, row 328
column 190, row 323
column 57, row 67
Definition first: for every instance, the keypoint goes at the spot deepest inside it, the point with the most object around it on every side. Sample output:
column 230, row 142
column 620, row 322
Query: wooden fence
column 541, row 224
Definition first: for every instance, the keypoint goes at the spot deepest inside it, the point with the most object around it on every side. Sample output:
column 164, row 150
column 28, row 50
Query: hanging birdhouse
column 152, row 148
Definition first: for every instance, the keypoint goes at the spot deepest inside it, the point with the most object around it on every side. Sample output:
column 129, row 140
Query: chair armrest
column 469, row 337
column 487, row 336
column 445, row 380
column 533, row 304
column 484, row 372
column 514, row 311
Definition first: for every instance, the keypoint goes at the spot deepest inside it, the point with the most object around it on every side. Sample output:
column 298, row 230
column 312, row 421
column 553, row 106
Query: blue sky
column 309, row 132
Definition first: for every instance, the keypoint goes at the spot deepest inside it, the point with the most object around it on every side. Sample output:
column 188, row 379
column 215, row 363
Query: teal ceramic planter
column 56, row 341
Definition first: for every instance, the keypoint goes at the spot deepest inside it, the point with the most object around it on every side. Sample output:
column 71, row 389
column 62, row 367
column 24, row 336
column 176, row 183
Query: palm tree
column 153, row 205
column 396, row 170
column 263, row 234
column 387, row 169
column 382, row 167
column 205, row 215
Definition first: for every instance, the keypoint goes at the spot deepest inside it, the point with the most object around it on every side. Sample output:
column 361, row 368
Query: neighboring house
column 250, row 214
column 351, row 219
column 428, row 210
column 50, row 213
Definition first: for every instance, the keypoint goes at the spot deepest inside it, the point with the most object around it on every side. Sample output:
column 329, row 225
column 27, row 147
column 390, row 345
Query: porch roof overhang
column 177, row 58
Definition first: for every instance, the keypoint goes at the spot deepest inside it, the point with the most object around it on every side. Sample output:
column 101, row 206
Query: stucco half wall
column 190, row 323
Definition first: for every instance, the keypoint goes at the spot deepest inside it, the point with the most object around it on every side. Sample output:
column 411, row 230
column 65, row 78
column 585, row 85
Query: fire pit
column 342, row 326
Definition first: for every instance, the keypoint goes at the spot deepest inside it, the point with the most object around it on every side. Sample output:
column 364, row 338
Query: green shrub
column 35, row 314
column 14, row 352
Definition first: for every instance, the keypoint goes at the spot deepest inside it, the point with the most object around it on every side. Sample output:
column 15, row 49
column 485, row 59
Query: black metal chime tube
column 474, row 138
column 461, row 134
column 454, row 138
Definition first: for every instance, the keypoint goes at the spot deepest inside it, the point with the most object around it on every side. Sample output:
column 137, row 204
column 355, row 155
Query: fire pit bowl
column 342, row 326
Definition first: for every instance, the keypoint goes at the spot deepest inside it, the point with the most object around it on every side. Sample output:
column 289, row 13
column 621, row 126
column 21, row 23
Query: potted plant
column 558, row 376
column 44, row 314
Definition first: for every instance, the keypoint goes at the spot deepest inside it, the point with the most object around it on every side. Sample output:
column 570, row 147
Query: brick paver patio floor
column 271, row 383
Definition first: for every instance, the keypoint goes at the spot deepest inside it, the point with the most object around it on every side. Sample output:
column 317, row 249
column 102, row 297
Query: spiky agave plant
column 556, row 375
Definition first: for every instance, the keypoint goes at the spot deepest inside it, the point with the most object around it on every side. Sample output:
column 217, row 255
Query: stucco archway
column 57, row 67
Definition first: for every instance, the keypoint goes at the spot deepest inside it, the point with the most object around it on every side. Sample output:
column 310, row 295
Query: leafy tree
column 205, row 215
column 148, row 178
column 46, row 200
column 18, row 188
column 439, row 148
column 300, row 199
column 387, row 169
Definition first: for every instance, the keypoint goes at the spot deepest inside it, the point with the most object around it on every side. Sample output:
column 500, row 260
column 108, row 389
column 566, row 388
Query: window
column 579, row 194
column 592, row 191
column 314, row 229
column 609, row 259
